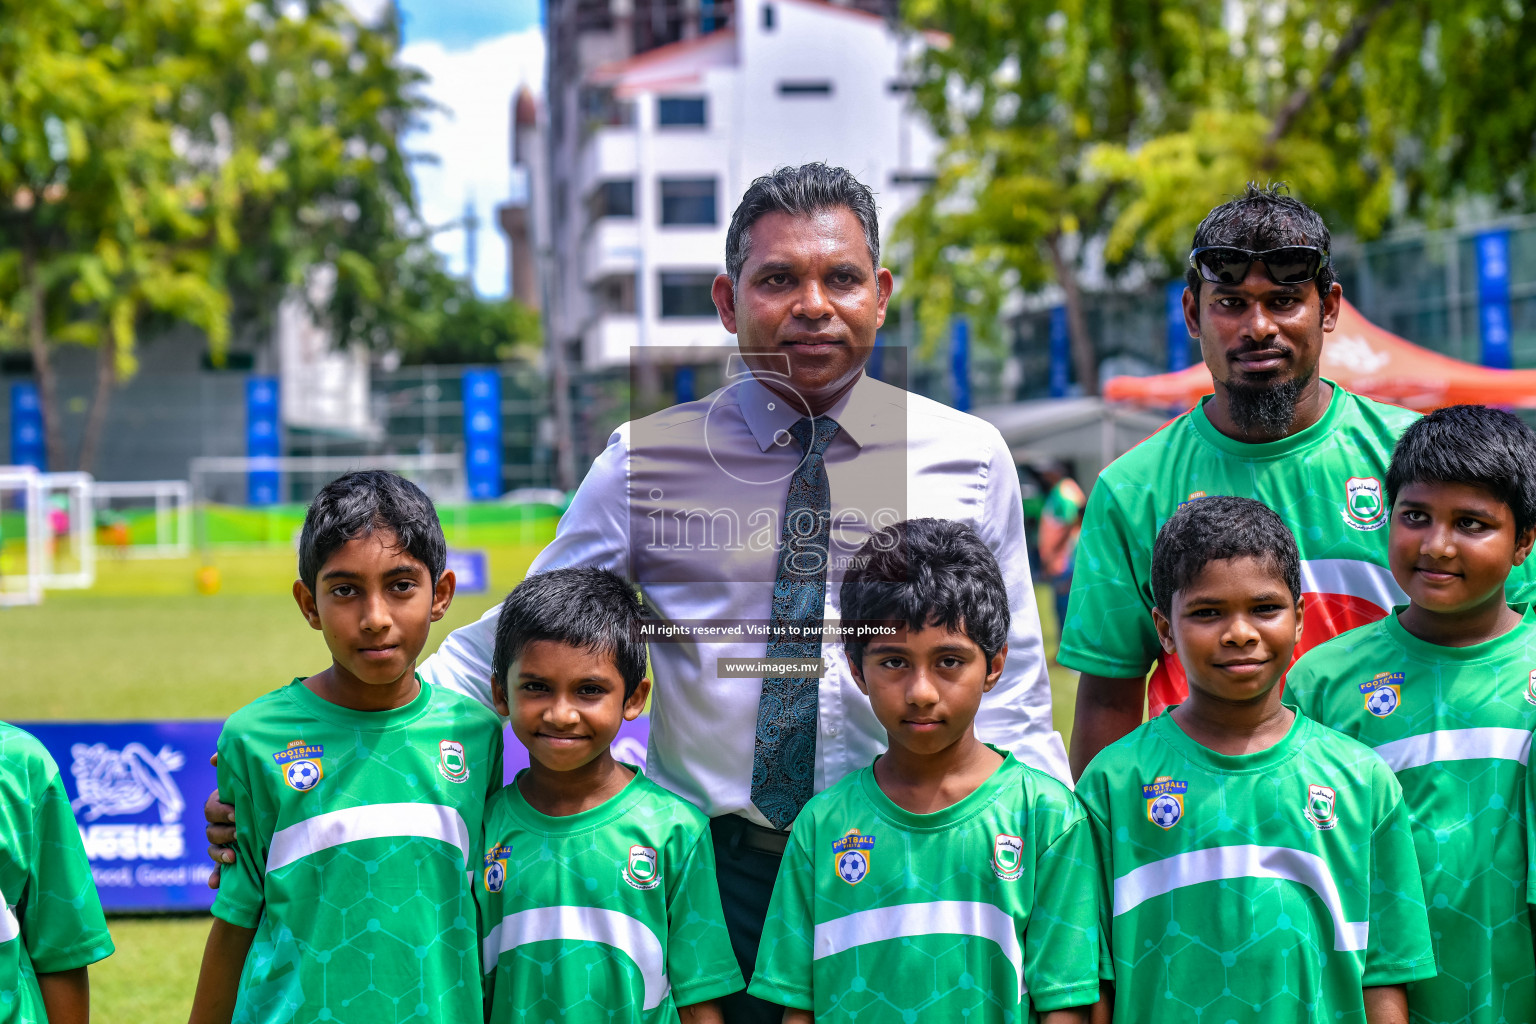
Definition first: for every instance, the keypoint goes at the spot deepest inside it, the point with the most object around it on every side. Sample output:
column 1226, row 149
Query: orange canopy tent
column 1368, row 361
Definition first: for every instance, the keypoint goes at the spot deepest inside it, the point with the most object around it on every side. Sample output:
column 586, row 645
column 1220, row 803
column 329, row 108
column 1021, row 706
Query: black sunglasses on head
column 1290, row 264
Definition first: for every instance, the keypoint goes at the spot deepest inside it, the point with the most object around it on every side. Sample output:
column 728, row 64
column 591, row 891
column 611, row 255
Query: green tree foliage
column 1105, row 131
column 442, row 320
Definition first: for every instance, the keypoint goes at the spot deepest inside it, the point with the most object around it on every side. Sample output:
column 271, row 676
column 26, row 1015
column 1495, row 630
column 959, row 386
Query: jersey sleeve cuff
column 1083, row 994
column 1097, row 664
column 230, row 912
column 699, row 990
column 771, row 991
column 84, row 953
column 1400, row 973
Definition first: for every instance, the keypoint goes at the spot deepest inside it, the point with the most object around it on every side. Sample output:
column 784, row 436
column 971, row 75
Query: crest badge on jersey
column 1320, row 809
column 1384, row 693
column 1008, row 856
column 301, row 765
column 450, row 761
column 851, row 856
column 1530, row 687
column 1165, row 801
column 496, row 867
column 1364, row 508
column 642, row 871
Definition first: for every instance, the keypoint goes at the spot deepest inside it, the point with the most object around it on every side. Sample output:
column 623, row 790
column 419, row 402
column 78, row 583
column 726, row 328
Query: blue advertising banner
column 262, row 438
column 27, row 427
column 1493, row 298
column 482, row 433
column 137, row 789
column 1061, row 353
column 471, row 571
column 960, row 363
column 1178, row 333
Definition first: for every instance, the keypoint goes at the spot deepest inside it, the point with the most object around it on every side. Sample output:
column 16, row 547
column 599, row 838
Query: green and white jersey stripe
column 1454, row 724
column 358, row 834
column 985, row 911
column 1265, row 886
column 612, row 914
column 50, row 914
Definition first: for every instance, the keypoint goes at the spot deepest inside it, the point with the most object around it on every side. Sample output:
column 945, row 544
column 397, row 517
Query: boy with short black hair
column 51, row 924
column 597, row 889
column 1444, row 689
column 947, row 881
column 1256, row 866
column 358, row 792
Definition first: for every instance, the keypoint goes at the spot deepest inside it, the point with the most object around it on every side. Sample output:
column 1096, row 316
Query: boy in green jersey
column 1256, row 865
column 1444, row 689
column 51, row 924
column 358, row 793
column 597, row 890
column 947, row 881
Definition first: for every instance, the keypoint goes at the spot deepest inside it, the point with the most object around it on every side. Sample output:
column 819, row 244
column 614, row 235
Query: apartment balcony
column 611, row 247
column 609, row 152
column 608, row 339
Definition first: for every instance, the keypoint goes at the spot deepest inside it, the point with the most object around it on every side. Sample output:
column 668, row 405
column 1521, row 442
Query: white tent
column 1090, row 432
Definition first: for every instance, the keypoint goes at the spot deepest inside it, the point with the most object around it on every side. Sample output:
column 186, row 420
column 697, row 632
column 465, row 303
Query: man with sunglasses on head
column 1261, row 296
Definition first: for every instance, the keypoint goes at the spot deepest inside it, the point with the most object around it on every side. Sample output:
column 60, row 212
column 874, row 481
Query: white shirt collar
column 858, row 413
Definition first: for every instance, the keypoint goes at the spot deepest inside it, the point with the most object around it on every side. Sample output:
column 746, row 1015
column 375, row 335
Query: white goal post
column 21, row 505
column 171, row 501
column 70, row 516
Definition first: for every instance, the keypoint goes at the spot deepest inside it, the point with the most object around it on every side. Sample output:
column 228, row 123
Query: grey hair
column 800, row 191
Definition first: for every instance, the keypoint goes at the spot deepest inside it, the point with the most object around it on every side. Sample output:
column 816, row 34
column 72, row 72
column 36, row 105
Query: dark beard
column 1263, row 410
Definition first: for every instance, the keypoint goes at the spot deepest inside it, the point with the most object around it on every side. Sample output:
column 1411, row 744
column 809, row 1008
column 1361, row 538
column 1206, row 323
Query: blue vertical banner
column 960, row 363
column 482, row 433
column 1061, row 353
column 1178, row 333
column 683, row 384
column 1493, row 298
column 262, row 439
column 876, row 366
column 27, row 447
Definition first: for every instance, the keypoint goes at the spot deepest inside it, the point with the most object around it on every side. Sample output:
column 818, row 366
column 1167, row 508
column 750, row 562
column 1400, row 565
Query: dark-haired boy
column 358, row 793
column 597, row 890
column 947, row 881
column 1256, row 866
column 1444, row 689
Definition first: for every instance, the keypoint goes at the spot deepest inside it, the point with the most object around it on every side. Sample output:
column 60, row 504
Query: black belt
column 739, row 833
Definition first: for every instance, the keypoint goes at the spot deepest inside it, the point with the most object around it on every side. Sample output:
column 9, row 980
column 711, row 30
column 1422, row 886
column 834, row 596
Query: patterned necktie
column 784, row 757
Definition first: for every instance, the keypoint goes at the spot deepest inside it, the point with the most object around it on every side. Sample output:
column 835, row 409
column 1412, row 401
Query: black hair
column 1264, row 217
column 1214, row 529
column 801, row 191
column 925, row 572
column 592, row 609
column 355, row 505
column 1470, row 444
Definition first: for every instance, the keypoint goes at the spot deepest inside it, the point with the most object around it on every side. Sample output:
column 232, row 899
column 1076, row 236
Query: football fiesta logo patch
column 1165, row 801
column 851, row 856
column 1530, row 687
column 641, row 871
column 301, row 766
column 450, row 761
column 1320, row 809
column 1363, row 507
column 1383, row 693
column 1008, row 856
column 496, row 867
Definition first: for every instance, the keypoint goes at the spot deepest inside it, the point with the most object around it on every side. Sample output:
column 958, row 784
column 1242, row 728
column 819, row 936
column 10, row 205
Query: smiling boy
column 597, row 890
column 947, row 881
column 1444, row 689
column 1256, row 866
column 358, row 793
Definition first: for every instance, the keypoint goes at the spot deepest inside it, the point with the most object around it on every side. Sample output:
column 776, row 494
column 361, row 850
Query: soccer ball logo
column 1165, row 811
column 1382, row 702
column 495, row 876
column 852, row 866
column 302, row 775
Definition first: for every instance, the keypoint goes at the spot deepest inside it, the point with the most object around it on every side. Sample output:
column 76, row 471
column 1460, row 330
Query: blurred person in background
column 1061, row 520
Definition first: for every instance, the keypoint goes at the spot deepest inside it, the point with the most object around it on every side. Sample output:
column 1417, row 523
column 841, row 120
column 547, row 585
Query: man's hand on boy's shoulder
column 220, row 831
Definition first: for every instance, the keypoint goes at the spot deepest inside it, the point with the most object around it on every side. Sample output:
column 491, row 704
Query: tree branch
column 1351, row 42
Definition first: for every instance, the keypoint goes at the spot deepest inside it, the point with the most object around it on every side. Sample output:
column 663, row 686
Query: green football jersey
column 609, row 915
column 1327, row 482
column 1264, row 886
column 50, row 915
column 1454, row 724
column 985, row 911
column 358, row 833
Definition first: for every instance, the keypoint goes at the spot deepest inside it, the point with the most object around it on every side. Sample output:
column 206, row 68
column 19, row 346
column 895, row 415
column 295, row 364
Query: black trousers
column 746, row 863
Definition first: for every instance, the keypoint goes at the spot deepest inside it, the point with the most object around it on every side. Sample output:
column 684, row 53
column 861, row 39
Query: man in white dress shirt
column 696, row 502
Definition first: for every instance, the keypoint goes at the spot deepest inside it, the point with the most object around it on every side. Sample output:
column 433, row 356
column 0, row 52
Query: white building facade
column 643, row 180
